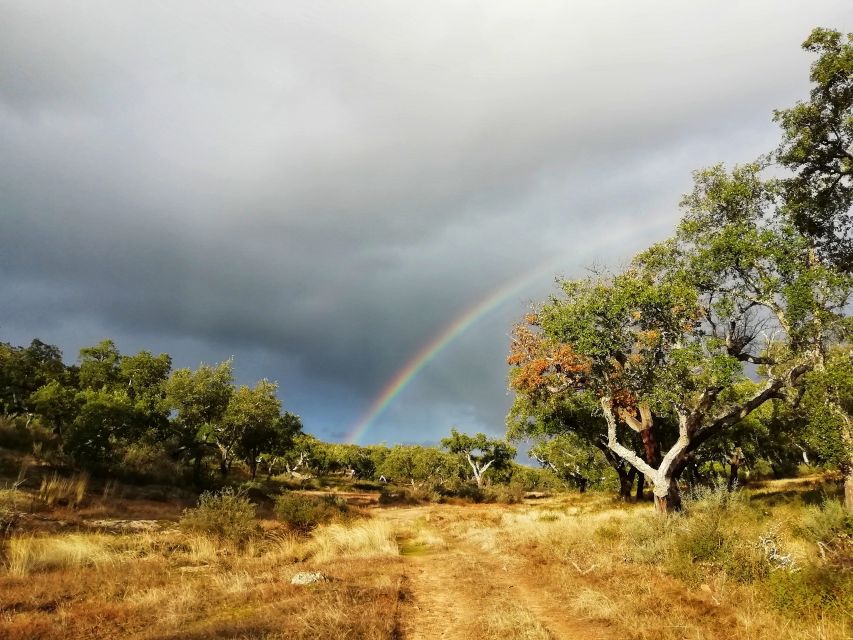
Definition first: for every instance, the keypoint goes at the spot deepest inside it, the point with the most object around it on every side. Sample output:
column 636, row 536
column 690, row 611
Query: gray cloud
column 319, row 189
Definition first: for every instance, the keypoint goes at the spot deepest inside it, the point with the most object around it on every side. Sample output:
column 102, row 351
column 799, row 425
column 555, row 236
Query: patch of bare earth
column 456, row 589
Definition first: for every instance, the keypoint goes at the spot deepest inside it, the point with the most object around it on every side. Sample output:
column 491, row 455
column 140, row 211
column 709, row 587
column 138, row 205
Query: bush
column 504, row 494
column 825, row 523
column 64, row 491
column 389, row 496
column 813, row 590
column 227, row 514
column 303, row 513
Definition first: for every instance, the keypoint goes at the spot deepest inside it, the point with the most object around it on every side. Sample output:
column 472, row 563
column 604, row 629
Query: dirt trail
column 466, row 590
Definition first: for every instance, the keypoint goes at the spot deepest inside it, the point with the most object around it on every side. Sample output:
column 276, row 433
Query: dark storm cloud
column 319, row 188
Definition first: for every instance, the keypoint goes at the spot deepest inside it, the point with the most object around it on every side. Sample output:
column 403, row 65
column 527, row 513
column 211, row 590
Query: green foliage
column 813, row 591
column 303, row 513
column 248, row 424
column 817, row 138
column 104, row 416
column 825, row 523
column 99, row 366
column 25, row 369
column 226, row 514
column 420, row 467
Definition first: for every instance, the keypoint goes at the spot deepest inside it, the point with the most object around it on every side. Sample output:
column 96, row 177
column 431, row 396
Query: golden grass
column 619, row 569
column 369, row 539
column 510, row 620
column 58, row 490
column 29, row 554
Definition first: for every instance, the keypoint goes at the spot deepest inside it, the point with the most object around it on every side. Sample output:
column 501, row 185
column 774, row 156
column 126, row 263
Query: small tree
column 480, row 452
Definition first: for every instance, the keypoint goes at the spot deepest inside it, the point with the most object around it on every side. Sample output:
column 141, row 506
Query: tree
column 250, row 417
column 827, row 409
column 57, row 404
column 538, row 412
column 25, row 369
column 199, row 400
column 99, row 366
column 571, row 459
column 817, row 146
column 480, row 452
column 672, row 334
column 423, row 468
column 144, row 377
column 103, row 417
column 267, row 441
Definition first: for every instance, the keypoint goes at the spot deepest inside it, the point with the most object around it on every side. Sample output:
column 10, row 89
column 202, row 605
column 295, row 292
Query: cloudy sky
column 321, row 189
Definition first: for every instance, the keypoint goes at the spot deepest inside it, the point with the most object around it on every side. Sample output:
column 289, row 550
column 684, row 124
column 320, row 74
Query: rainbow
column 430, row 350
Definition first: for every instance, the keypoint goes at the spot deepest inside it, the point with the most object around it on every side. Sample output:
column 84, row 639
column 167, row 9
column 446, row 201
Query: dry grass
column 369, row 539
column 29, row 554
column 511, row 620
column 57, row 490
column 511, row 571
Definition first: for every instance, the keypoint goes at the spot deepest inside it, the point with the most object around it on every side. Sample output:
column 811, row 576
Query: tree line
column 114, row 413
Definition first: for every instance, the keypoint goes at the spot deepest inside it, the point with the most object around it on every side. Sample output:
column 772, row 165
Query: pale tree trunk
column 848, row 489
column 847, row 467
column 694, row 429
column 478, row 470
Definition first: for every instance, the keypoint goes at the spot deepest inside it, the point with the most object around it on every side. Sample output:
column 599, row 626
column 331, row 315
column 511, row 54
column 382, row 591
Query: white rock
column 308, row 577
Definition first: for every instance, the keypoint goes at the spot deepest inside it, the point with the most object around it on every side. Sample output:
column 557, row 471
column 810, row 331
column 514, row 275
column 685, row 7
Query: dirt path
column 460, row 590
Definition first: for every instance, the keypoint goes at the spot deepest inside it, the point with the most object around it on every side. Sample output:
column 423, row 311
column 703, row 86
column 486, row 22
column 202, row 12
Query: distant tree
column 422, row 468
column 480, row 452
column 104, row 417
column 818, row 147
column 572, row 460
column 25, row 369
column 99, row 366
column 249, row 417
column 265, row 442
column 827, row 410
column 199, row 400
column 143, row 376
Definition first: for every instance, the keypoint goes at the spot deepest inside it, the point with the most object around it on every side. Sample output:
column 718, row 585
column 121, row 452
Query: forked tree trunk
column 670, row 501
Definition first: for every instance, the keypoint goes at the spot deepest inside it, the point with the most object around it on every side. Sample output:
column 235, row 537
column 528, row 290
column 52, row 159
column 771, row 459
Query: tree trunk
column 668, row 500
column 641, row 485
column 197, row 469
column 650, row 447
column 848, row 489
column 626, row 483
column 733, row 468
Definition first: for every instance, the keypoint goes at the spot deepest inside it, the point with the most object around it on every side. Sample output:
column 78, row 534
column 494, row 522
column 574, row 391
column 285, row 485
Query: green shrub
column 504, row 494
column 824, row 523
column 812, row 591
column 470, row 492
column 226, row 514
column 303, row 513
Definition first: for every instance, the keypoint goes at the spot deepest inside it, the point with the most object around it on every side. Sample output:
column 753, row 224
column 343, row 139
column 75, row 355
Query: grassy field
column 774, row 561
